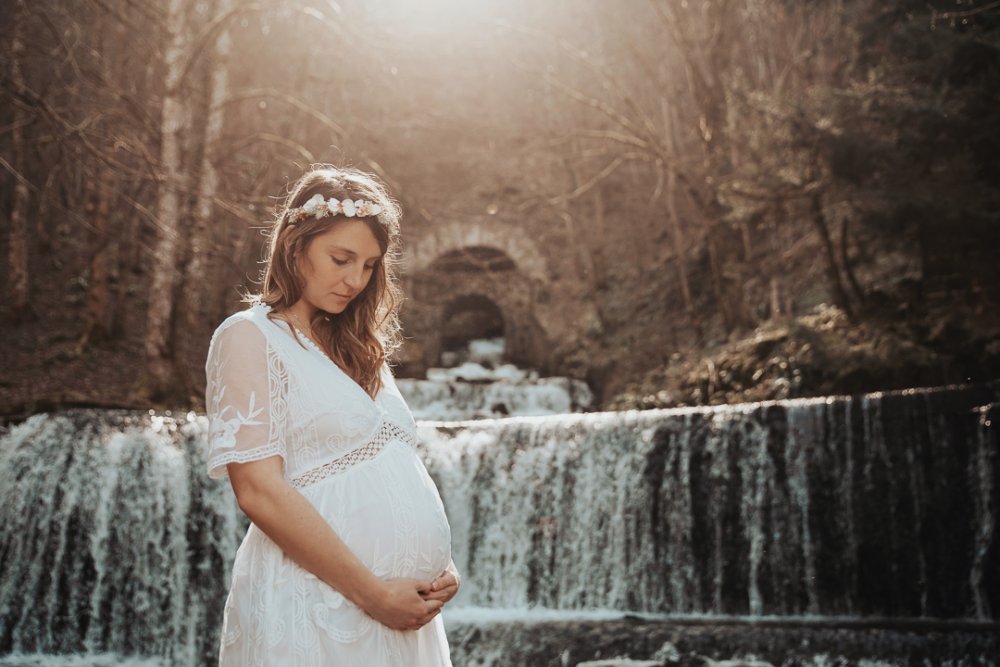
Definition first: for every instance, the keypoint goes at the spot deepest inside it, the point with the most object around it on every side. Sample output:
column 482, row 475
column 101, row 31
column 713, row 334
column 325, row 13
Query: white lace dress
column 353, row 458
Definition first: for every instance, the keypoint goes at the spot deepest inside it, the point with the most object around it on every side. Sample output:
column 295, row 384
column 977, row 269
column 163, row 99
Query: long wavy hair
column 362, row 337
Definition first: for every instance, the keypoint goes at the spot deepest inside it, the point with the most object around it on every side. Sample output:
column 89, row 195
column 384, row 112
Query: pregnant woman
column 347, row 560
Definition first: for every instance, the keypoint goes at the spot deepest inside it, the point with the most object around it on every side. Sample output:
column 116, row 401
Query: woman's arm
column 291, row 521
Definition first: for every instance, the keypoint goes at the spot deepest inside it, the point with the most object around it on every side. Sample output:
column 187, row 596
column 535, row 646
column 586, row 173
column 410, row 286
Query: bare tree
column 161, row 373
column 99, row 308
column 17, row 254
column 192, row 303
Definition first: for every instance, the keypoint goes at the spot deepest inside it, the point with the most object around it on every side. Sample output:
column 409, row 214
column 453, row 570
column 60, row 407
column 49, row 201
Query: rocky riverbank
column 821, row 353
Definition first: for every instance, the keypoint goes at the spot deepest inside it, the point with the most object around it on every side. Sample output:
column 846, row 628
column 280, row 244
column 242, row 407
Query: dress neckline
column 267, row 308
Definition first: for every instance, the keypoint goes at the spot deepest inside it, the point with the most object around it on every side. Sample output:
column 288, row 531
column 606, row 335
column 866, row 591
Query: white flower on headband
column 320, row 207
column 312, row 206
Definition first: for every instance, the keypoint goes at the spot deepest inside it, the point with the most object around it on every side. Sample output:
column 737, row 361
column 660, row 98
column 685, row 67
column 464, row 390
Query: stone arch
column 455, row 236
column 489, row 291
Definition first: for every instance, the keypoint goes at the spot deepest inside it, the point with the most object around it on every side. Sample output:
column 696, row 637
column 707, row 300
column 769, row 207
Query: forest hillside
column 754, row 199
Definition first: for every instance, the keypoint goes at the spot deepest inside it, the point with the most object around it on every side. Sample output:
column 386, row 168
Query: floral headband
column 320, row 207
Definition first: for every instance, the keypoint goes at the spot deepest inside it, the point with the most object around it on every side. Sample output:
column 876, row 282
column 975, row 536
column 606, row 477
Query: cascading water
column 113, row 538
column 441, row 398
column 115, row 542
column 878, row 506
column 479, row 384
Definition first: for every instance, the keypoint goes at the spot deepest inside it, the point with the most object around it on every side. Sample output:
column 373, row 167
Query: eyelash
column 341, row 262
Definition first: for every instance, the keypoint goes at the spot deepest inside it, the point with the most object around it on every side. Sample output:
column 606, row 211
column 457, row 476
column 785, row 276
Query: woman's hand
column 445, row 586
column 402, row 604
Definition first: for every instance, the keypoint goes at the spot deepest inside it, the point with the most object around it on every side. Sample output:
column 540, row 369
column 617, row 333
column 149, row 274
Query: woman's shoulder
column 248, row 322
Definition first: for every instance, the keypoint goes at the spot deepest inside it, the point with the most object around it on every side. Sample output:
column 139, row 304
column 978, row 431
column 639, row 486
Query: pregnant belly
column 389, row 512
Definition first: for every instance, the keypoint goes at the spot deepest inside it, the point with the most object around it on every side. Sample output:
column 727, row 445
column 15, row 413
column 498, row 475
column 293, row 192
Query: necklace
column 293, row 319
column 294, row 323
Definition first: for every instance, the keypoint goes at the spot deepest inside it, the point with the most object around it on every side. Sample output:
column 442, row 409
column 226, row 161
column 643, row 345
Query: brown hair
column 360, row 338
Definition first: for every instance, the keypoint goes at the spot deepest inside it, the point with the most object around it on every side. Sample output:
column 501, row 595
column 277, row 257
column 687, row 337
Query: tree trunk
column 599, row 261
column 718, row 284
column 679, row 243
column 160, row 370
column 97, row 325
column 852, row 279
column 49, row 191
column 193, row 310
column 836, row 284
column 17, row 253
column 777, row 311
column 123, row 283
column 586, row 266
column 677, row 236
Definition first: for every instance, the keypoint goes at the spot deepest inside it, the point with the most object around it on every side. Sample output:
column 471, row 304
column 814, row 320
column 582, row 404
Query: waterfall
column 114, row 541
column 476, row 383
column 113, row 538
column 876, row 506
column 450, row 399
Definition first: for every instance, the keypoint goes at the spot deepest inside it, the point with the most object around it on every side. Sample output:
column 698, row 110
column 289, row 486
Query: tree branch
column 291, row 100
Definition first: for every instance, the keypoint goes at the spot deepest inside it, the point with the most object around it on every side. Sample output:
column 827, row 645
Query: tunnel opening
column 471, row 317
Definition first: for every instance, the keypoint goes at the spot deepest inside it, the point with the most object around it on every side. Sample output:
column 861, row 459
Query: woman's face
column 338, row 265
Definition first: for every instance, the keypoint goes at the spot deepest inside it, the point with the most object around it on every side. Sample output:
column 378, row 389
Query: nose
column 356, row 278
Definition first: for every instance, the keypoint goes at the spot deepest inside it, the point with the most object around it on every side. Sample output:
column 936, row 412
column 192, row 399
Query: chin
column 337, row 308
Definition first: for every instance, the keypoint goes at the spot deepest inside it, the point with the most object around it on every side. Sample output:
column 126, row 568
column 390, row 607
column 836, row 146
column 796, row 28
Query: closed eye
column 342, row 262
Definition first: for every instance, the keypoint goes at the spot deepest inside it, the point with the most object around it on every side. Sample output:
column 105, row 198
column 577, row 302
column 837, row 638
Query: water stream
column 831, row 510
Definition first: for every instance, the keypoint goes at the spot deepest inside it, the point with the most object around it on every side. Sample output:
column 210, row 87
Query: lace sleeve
column 244, row 397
